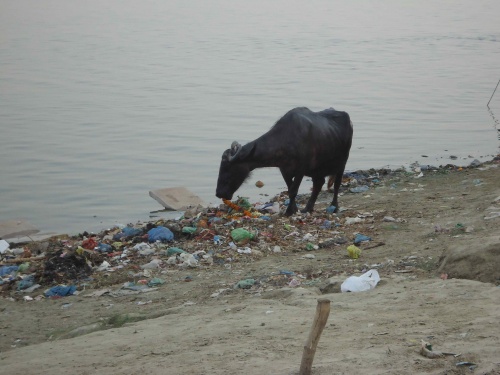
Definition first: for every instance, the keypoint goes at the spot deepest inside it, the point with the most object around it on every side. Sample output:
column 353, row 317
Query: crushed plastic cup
column 366, row 281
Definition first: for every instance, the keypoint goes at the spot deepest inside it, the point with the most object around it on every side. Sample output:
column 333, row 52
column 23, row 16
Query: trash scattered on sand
column 143, row 254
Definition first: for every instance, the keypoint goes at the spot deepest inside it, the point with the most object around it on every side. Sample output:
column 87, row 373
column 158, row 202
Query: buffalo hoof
column 291, row 210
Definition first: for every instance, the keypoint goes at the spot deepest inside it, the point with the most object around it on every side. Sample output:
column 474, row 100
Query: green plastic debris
column 155, row 282
column 244, row 203
column 240, row 235
column 174, row 251
column 188, row 230
column 353, row 251
column 23, row 267
column 309, row 246
column 244, row 284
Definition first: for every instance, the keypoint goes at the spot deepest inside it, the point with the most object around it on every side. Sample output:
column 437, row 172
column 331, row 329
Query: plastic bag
column 174, row 251
column 353, row 251
column 188, row 260
column 60, row 291
column 240, row 235
column 154, row 264
column 362, row 283
column 244, row 284
column 26, row 282
column 359, row 189
column 161, row 234
column 361, row 238
column 127, row 232
column 8, row 270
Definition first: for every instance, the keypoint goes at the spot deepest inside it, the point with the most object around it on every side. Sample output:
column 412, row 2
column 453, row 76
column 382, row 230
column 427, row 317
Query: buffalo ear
column 243, row 152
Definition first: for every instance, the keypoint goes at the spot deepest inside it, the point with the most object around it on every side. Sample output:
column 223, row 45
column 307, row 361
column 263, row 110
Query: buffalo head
column 233, row 171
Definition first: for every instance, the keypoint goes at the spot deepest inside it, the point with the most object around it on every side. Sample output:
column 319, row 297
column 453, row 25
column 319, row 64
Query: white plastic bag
column 366, row 281
column 188, row 260
column 154, row 264
column 104, row 266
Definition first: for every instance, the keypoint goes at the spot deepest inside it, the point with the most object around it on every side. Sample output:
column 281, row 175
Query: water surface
column 101, row 102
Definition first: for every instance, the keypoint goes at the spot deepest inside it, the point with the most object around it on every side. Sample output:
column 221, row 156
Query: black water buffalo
column 301, row 143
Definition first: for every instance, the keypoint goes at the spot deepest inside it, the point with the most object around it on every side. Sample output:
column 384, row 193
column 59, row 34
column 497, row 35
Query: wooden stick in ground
column 322, row 312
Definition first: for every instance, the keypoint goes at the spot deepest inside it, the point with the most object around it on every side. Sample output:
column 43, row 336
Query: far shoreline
column 171, row 215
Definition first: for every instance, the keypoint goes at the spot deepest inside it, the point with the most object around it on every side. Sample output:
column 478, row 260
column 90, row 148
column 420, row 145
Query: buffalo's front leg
column 293, row 188
column 318, row 183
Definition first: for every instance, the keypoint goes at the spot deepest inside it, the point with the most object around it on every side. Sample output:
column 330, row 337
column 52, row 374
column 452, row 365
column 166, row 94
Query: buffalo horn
column 235, row 148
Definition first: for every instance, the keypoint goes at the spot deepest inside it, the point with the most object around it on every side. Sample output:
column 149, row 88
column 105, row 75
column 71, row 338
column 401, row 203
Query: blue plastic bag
column 7, row 270
column 359, row 189
column 26, row 282
column 60, row 291
column 104, row 248
column 361, row 238
column 161, row 234
column 127, row 232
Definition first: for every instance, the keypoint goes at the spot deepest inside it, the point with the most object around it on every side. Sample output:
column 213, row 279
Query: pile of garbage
column 202, row 238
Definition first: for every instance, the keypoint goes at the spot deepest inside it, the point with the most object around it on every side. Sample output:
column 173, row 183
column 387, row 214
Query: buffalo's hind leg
column 318, row 183
column 336, row 187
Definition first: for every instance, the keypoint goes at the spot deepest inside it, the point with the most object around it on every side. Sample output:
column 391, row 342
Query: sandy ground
column 180, row 328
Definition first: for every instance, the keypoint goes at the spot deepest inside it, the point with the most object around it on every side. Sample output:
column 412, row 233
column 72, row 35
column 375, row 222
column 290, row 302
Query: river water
column 101, row 102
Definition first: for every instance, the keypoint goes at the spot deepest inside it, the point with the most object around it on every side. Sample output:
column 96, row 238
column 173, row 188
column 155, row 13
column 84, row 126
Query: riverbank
column 192, row 318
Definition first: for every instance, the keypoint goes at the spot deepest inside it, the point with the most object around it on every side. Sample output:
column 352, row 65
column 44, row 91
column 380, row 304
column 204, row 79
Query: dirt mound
column 474, row 262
